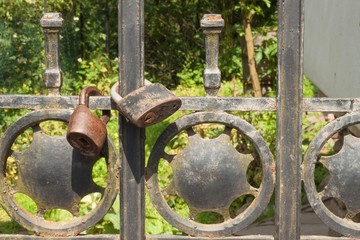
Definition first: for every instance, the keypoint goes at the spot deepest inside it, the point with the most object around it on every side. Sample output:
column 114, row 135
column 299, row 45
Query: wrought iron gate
column 209, row 173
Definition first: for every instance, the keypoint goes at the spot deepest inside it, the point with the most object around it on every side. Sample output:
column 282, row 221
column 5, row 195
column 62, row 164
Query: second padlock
column 86, row 132
column 147, row 105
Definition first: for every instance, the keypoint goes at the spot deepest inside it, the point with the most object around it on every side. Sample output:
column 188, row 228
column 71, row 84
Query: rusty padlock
column 86, row 132
column 147, row 105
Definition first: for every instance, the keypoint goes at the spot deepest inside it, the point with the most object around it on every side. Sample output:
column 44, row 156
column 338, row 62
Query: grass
column 7, row 225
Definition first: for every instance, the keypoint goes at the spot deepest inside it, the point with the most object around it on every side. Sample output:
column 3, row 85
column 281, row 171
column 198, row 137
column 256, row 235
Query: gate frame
column 289, row 123
column 289, row 119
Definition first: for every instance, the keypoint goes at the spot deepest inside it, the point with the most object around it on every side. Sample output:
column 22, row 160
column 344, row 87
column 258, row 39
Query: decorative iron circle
column 36, row 223
column 312, row 156
column 229, row 226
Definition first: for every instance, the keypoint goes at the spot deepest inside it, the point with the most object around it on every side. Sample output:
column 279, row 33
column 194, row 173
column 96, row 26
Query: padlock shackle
column 86, row 93
column 84, row 100
column 114, row 91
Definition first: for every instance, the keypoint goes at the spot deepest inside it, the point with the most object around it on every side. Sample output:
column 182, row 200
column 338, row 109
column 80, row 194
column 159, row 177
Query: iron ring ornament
column 55, row 176
column 343, row 168
column 209, row 174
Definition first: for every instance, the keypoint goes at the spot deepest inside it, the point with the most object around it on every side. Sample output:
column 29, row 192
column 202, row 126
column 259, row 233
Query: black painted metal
column 166, row 237
column 345, row 105
column 195, row 165
column 251, row 237
column 289, row 118
column 212, row 25
column 87, row 237
column 49, row 170
column 343, row 170
column 54, row 175
column 52, row 23
column 209, row 174
column 131, row 77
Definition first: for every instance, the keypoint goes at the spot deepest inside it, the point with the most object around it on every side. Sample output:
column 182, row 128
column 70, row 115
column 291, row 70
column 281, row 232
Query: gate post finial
column 52, row 24
column 212, row 25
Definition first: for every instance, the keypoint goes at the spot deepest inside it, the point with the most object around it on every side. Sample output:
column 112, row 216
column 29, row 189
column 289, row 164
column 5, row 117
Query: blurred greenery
column 175, row 54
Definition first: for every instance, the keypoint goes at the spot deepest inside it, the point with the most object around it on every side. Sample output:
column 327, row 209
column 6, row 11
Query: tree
column 174, row 43
column 248, row 10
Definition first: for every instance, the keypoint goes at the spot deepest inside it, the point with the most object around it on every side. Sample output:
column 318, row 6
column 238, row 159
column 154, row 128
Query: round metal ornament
column 54, row 176
column 343, row 168
column 209, row 174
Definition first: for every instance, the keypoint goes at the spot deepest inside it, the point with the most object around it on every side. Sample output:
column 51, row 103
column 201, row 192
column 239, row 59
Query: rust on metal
column 207, row 173
column 52, row 24
column 147, row 105
column 210, row 174
column 343, row 168
column 54, row 176
column 86, row 132
column 213, row 17
column 289, row 119
column 343, row 105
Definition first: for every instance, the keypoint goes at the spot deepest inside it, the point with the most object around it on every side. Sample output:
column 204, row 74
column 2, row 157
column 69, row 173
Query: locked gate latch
column 147, row 105
column 86, row 132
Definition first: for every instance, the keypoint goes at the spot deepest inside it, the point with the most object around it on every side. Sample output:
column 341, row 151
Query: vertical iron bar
column 289, row 115
column 131, row 76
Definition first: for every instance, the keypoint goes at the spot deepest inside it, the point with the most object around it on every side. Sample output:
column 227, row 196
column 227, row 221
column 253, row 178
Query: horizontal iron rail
column 172, row 237
column 163, row 237
column 189, row 103
column 249, row 237
column 85, row 237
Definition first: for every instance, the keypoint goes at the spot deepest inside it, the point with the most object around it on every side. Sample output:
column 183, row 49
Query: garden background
column 174, row 56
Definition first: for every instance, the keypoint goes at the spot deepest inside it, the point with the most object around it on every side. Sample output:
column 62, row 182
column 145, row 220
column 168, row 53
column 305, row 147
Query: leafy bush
column 175, row 56
column 191, row 85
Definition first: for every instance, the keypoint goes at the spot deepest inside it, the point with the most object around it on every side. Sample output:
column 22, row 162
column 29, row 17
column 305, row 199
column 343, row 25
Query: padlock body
column 149, row 105
column 86, row 132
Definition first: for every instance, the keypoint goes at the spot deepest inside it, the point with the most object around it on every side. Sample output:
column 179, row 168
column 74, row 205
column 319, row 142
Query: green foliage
column 58, row 215
column 266, row 60
column 175, row 54
column 190, row 77
column 26, row 202
column 155, row 224
column 88, row 49
column 173, row 39
column 309, row 89
column 254, row 7
column 100, row 72
column 110, row 224
column 21, row 52
column 231, row 64
column 7, row 226
column 209, row 218
column 265, row 122
column 173, row 36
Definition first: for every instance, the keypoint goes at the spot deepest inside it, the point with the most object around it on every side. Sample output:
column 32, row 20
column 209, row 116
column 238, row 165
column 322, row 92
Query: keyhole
column 84, row 142
column 150, row 117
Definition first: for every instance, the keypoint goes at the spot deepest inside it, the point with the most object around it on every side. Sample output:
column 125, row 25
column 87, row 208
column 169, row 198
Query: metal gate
column 209, row 173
